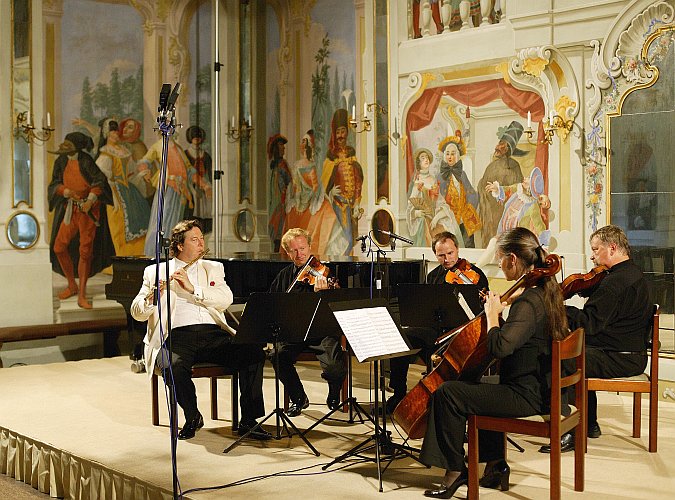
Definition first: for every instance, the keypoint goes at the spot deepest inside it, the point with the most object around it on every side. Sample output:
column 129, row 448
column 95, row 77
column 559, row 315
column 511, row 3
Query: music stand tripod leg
column 282, row 420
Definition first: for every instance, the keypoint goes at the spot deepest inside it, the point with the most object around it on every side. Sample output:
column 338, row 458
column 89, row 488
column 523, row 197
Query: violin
column 462, row 274
column 465, row 357
column 579, row 282
column 312, row 269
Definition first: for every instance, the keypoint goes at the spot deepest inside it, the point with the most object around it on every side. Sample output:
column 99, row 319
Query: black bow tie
column 447, row 170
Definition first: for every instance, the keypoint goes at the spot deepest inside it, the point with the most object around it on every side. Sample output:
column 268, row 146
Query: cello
column 465, row 357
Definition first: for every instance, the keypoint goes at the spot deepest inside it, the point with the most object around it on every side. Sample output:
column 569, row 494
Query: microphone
column 171, row 103
column 164, row 96
column 396, row 236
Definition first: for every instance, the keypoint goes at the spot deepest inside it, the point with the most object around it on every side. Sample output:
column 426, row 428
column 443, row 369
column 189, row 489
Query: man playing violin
column 296, row 242
column 616, row 319
column 199, row 296
column 446, row 248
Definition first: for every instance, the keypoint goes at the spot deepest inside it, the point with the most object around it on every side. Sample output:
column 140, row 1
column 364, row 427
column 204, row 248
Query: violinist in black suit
column 446, row 248
column 296, row 242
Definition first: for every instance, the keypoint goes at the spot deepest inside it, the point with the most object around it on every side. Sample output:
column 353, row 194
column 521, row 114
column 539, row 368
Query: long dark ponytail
column 524, row 244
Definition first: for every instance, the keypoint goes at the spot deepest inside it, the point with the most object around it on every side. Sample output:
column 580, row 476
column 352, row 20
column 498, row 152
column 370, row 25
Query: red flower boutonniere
column 213, row 283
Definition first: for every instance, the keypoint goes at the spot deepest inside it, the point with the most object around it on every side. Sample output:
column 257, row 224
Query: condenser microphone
column 171, row 103
column 396, row 236
column 164, row 96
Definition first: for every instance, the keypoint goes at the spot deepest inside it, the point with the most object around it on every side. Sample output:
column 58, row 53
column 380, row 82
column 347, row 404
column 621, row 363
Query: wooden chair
column 202, row 370
column 644, row 383
column 310, row 356
column 551, row 426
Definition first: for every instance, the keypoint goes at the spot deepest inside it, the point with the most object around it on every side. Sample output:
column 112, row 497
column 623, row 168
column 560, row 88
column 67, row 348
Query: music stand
column 325, row 324
column 437, row 306
column 277, row 317
column 374, row 336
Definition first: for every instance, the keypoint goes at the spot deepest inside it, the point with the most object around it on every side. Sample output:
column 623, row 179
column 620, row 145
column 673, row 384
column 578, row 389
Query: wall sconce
column 366, row 124
column 25, row 129
column 243, row 132
column 555, row 123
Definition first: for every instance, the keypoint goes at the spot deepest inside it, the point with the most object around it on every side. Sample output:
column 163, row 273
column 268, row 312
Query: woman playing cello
column 523, row 346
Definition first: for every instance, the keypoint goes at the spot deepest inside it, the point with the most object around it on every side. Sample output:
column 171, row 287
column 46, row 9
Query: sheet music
column 465, row 306
column 371, row 332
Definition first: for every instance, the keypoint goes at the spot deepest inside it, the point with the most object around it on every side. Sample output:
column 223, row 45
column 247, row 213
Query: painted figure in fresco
column 178, row 197
column 422, row 199
column 130, row 137
column 307, row 206
column 342, row 178
column 280, row 178
column 503, row 169
column 80, row 238
column 460, row 210
column 525, row 203
column 202, row 163
column 129, row 214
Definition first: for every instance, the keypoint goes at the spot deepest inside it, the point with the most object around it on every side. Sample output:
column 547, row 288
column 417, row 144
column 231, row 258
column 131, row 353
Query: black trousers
column 608, row 364
column 418, row 338
column 451, row 405
column 329, row 353
column 209, row 344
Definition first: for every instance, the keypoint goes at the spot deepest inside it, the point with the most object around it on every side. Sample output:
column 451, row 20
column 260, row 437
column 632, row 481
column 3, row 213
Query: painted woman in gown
column 307, row 206
column 129, row 214
column 422, row 199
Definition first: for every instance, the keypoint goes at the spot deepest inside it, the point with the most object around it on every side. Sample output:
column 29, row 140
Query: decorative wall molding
column 617, row 68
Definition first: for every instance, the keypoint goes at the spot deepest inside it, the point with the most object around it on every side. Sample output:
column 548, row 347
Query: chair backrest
column 571, row 347
column 654, row 344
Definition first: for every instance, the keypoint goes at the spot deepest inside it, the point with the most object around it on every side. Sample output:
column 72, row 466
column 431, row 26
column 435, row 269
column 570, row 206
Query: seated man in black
column 616, row 319
column 199, row 332
column 446, row 249
column 296, row 242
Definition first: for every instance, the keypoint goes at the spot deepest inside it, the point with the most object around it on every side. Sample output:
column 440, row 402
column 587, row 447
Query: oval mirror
column 23, row 230
column 382, row 220
column 244, row 224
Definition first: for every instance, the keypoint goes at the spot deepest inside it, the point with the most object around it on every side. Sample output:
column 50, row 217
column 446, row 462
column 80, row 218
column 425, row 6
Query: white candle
column 529, row 120
column 250, row 121
column 232, row 126
column 28, row 118
column 365, row 110
column 550, row 118
column 353, row 111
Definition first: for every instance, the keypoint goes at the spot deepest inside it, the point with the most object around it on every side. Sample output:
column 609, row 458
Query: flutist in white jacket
column 199, row 333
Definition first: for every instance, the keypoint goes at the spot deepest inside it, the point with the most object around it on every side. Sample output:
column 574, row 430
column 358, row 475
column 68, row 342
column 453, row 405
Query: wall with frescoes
column 456, row 144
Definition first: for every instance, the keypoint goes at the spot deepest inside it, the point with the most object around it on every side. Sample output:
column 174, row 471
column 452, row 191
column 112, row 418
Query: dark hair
column 442, row 236
column 178, row 234
column 524, row 244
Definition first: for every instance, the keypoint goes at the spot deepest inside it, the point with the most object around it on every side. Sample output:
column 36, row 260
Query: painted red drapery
column 478, row 94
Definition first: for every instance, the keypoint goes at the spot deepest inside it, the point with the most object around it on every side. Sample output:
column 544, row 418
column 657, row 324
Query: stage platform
column 83, row 430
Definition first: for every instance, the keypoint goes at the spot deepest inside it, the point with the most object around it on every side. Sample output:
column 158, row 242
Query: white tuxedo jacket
column 211, row 292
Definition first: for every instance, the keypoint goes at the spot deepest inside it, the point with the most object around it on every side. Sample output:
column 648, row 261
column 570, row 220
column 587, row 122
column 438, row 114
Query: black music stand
column 326, row 324
column 277, row 317
column 374, row 336
column 436, row 306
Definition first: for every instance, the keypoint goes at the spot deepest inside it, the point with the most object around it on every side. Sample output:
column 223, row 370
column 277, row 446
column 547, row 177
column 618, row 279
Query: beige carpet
column 86, row 425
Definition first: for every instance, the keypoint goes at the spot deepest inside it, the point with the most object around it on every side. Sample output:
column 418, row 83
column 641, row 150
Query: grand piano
column 247, row 273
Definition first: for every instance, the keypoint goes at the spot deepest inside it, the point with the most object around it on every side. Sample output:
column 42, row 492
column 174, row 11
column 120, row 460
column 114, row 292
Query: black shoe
column 449, row 491
column 333, row 399
column 258, row 433
column 393, row 402
column 496, row 476
column 566, row 444
column 594, row 431
column 190, row 428
column 296, row 408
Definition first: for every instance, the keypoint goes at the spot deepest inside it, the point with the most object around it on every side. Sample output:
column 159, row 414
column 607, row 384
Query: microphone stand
column 166, row 125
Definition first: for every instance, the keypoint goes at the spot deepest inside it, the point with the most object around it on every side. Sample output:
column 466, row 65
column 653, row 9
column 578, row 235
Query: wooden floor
column 97, row 414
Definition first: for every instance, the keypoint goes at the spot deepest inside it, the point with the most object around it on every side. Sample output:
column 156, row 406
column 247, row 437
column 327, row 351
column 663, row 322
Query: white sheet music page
column 371, row 332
